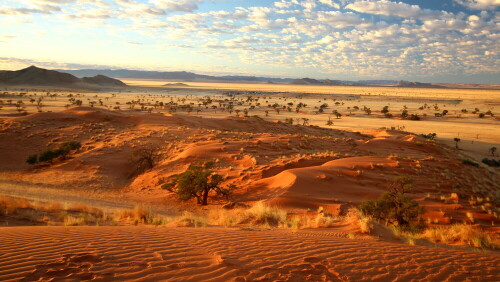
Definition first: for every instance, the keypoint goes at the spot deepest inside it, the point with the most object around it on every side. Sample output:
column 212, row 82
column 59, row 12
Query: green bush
column 49, row 154
column 469, row 162
column 197, row 182
column 71, row 145
column 491, row 162
column 32, row 159
column 394, row 207
column 414, row 117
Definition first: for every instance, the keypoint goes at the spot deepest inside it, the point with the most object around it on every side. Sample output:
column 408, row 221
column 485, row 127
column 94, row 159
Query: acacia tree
column 394, row 206
column 197, row 182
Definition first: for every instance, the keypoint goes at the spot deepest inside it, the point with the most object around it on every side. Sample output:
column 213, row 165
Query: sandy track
column 45, row 193
column 218, row 254
column 67, row 196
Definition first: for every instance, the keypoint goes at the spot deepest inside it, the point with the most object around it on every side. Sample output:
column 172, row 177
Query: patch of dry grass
column 461, row 234
column 354, row 216
column 10, row 206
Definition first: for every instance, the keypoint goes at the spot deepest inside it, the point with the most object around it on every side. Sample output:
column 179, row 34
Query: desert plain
column 294, row 164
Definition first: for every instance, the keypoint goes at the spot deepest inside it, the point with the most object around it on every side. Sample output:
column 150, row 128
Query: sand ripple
column 219, row 254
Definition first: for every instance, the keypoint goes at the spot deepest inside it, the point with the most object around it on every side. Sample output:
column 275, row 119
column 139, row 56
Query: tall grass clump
column 460, row 234
column 262, row 214
column 355, row 216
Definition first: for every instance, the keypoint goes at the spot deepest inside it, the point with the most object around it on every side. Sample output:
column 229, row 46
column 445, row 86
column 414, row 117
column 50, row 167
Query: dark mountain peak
column 103, row 80
column 34, row 75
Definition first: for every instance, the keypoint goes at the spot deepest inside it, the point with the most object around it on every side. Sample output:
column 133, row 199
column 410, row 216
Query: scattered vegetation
column 48, row 155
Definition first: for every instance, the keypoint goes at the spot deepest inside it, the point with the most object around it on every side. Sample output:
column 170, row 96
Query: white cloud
column 338, row 19
column 330, row 3
column 177, row 5
column 389, row 8
column 479, row 4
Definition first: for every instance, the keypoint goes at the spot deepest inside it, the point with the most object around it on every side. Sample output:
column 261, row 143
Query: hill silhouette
column 43, row 77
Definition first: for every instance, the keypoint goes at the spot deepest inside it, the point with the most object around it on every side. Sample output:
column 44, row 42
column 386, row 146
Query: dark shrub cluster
column 469, row 162
column 414, row 117
column 48, row 155
column 491, row 162
column 430, row 136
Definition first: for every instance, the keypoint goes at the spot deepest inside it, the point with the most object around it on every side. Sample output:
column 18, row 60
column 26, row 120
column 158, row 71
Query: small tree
column 329, row 122
column 145, row 158
column 493, row 150
column 197, row 182
column 394, row 207
column 456, row 139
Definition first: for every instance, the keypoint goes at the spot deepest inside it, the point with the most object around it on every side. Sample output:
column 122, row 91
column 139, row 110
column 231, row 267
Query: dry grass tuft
column 262, row 214
column 10, row 206
column 189, row 219
column 460, row 234
column 354, row 216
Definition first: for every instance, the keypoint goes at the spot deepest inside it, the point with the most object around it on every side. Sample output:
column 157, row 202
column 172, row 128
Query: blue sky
column 429, row 41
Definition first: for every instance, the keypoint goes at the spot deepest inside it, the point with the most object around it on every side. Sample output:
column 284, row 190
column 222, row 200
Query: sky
column 455, row 41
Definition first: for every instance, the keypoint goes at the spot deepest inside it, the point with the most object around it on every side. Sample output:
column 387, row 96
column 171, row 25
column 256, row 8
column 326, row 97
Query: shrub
column 49, row 154
column 414, row 117
column 145, row 158
column 469, row 162
column 429, row 136
column 197, row 182
column 394, row 207
column 491, row 162
column 32, row 159
column 71, row 145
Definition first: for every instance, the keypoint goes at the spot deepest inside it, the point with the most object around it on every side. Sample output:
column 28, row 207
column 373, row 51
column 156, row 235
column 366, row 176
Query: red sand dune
column 293, row 166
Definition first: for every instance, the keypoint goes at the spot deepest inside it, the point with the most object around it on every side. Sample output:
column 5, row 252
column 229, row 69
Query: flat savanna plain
column 272, row 151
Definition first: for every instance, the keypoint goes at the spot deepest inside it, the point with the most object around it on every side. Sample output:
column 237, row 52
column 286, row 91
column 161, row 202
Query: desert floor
column 302, row 167
column 477, row 134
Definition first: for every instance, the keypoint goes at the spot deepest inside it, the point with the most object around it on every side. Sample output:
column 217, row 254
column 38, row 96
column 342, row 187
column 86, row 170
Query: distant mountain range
column 43, row 77
column 190, row 76
column 171, row 75
column 35, row 76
